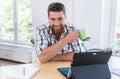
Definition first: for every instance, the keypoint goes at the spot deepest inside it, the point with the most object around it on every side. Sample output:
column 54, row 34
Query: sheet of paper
column 116, row 71
column 22, row 72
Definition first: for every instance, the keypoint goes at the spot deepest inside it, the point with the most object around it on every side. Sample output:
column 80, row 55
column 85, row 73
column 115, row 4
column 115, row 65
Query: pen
column 23, row 71
column 69, row 73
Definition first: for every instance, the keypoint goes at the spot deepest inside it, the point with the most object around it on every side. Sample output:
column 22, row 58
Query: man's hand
column 72, row 36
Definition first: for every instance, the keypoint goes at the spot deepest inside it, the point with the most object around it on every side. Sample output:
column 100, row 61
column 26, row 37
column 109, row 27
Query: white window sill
column 20, row 53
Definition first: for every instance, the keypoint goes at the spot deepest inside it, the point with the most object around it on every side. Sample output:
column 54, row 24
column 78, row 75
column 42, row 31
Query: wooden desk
column 49, row 70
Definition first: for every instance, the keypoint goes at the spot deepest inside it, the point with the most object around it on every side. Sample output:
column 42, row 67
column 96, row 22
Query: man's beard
column 57, row 30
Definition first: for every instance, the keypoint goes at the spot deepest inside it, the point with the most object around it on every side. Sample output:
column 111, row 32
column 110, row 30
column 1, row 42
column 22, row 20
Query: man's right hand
column 72, row 36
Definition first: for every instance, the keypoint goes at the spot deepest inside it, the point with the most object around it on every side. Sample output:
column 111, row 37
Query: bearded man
column 57, row 41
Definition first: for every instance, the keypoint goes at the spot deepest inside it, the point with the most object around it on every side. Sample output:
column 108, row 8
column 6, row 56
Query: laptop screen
column 90, row 58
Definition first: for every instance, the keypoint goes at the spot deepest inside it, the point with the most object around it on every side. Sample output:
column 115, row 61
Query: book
column 22, row 72
column 64, row 71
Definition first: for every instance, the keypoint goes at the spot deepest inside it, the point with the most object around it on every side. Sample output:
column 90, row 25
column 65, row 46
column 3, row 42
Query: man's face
column 56, row 21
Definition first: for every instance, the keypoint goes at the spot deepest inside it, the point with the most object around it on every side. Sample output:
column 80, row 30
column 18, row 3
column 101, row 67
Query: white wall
column 90, row 14
column 39, row 10
column 108, row 23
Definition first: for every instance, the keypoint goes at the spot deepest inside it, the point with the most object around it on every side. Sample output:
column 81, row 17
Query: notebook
column 64, row 71
column 22, row 72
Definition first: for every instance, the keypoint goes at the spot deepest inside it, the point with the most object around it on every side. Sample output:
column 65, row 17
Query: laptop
column 91, row 65
column 90, row 58
column 85, row 63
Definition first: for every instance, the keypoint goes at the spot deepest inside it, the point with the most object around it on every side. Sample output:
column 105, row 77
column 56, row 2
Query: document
column 22, row 72
column 116, row 71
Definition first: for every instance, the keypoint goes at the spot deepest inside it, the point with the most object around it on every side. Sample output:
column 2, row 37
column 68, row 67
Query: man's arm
column 67, row 57
column 50, row 52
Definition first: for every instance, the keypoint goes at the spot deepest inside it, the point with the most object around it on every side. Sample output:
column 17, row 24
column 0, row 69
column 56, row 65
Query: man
column 57, row 40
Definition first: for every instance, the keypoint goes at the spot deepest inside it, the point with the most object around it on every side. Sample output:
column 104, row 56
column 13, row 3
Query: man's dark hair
column 57, row 7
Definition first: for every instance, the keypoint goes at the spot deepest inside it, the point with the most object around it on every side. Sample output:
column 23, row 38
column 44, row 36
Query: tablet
column 90, row 58
column 95, row 61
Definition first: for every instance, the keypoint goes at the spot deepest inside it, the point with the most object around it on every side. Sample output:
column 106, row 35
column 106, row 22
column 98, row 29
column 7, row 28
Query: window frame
column 15, row 23
column 113, row 22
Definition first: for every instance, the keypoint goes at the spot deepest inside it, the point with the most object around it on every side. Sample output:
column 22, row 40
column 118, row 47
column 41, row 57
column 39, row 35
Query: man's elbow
column 42, row 59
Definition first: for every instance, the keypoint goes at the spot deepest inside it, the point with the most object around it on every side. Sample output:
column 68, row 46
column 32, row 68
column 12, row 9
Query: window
column 16, row 21
column 117, row 29
column 6, row 20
